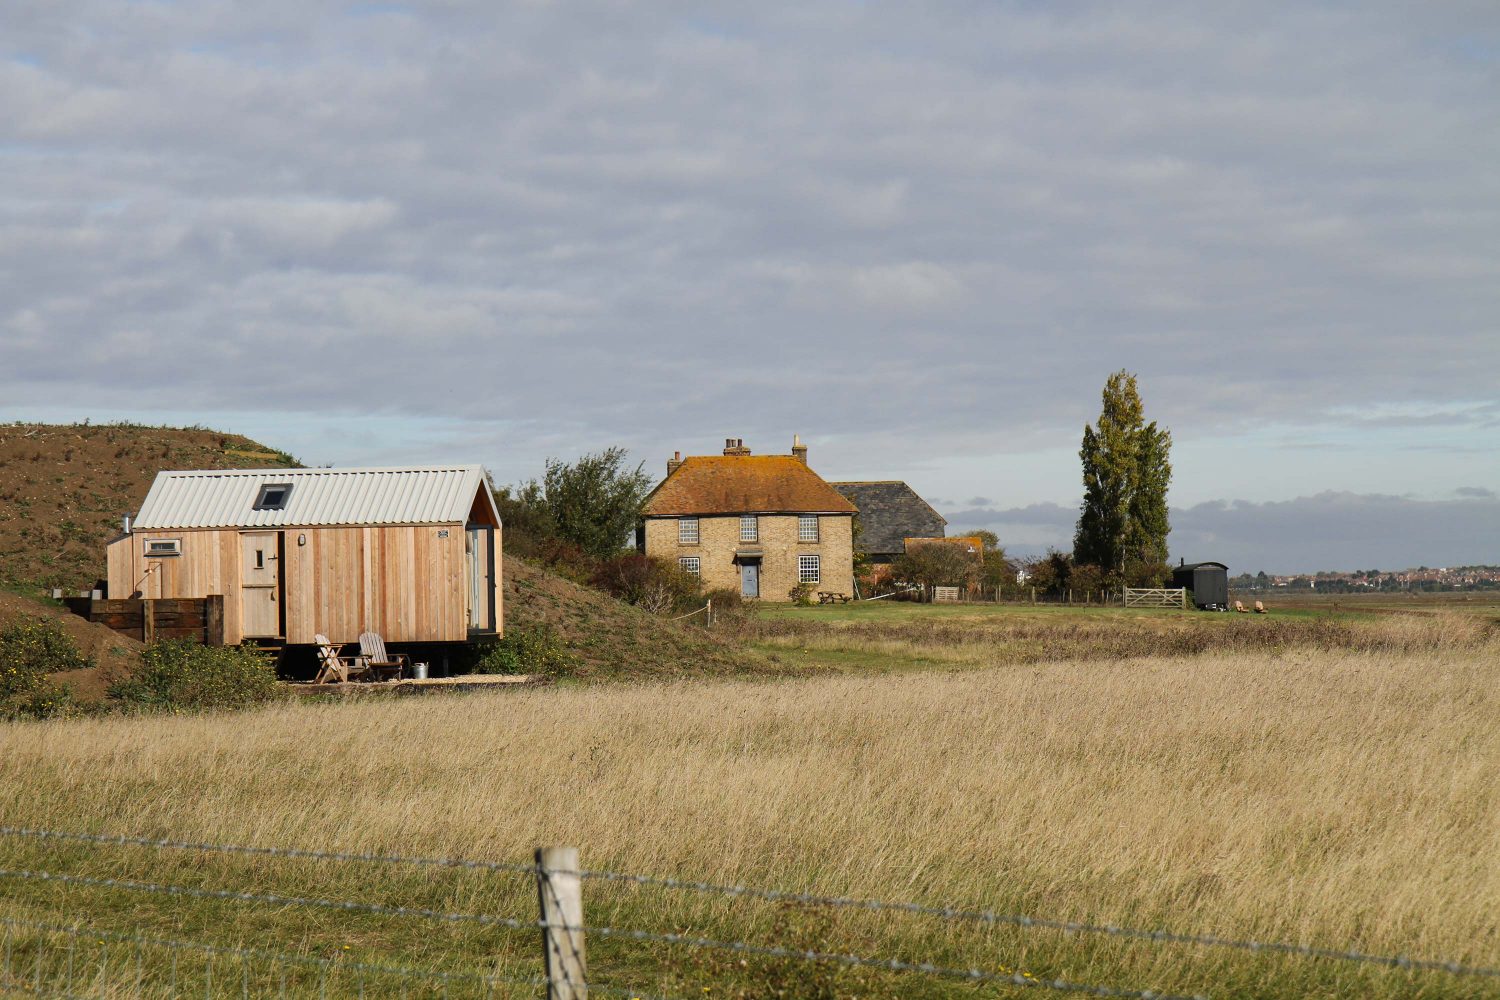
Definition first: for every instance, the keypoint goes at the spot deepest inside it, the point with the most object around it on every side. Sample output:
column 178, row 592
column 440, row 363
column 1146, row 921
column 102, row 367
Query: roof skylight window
column 273, row 496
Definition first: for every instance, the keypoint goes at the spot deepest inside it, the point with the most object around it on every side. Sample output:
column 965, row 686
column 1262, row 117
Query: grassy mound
column 112, row 653
column 64, row 487
column 611, row 639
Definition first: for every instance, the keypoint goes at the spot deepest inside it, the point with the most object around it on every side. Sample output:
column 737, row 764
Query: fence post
column 213, row 620
column 148, row 620
column 560, row 894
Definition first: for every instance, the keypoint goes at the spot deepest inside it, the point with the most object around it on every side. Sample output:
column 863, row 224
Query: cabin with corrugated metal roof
column 411, row 553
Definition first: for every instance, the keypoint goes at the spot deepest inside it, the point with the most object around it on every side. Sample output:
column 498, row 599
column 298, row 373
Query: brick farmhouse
column 756, row 524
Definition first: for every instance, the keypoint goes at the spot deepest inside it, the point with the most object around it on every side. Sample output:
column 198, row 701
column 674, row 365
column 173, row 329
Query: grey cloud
column 625, row 220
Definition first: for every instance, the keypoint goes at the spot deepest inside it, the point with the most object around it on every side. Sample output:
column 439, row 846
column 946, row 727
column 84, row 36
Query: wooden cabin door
column 260, row 584
column 480, row 547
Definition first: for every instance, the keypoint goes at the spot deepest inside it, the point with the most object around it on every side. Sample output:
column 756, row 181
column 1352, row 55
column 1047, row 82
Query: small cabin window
column 163, row 547
column 273, row 496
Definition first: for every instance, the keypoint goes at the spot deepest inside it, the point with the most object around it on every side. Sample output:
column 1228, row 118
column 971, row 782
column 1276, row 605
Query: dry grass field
column 1302, row 792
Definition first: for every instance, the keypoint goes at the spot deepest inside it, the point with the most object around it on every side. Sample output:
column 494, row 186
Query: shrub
column 536, row 650
column 39, row 646
column 29, row 651
column 652, row 585
column 180, row 675
column 731, row 610
column 802, row 595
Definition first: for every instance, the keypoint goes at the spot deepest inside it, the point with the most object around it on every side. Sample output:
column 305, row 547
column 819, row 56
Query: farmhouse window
column 687, row 531
column 807, row 527
column 690, row 565
column 807, row 569
column 163, row 546
column 273, row 496
column 749, row 528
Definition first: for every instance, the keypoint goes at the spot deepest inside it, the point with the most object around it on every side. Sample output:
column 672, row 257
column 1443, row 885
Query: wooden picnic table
column 831, row 596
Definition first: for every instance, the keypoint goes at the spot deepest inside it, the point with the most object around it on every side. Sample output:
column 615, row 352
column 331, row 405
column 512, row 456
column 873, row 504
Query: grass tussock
column 1335, row 797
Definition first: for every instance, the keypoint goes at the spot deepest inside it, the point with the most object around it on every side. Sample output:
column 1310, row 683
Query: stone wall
column 719, row 540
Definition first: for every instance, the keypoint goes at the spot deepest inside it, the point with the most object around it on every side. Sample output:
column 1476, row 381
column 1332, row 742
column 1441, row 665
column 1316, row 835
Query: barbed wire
column 809, row 899
column 323, row 964
column 1043, row 923
column 891, row 964
column 284, row 852
column 355, row 906
column 742, row 947
column 260, row 955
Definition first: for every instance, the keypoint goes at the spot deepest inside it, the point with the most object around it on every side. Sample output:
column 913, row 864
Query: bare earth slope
column 64, row 487
column 114, row 653
column 613, row 639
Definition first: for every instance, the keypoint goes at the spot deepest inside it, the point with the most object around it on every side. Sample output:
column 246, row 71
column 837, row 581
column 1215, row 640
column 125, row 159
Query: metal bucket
column 419, row 671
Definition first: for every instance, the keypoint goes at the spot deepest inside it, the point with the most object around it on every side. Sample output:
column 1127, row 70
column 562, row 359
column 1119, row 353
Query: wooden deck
column 465, row 682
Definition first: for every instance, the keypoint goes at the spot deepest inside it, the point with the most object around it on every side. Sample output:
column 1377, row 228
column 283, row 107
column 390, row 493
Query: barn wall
column 209, row 564
column 405, row 582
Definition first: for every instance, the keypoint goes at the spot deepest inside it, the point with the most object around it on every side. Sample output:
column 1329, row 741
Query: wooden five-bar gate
column 1156, row 597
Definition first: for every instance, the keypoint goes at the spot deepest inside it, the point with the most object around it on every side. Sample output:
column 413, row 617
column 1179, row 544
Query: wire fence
column 45, row 958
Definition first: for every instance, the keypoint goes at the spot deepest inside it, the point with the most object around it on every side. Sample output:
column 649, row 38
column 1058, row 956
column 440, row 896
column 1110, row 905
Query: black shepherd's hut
column 1208, row 582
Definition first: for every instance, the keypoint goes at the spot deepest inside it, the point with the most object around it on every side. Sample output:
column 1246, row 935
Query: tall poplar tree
column 1122, row 524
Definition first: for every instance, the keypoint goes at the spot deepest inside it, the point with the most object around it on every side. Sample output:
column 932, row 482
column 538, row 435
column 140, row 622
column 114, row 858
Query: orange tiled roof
column 744, row 484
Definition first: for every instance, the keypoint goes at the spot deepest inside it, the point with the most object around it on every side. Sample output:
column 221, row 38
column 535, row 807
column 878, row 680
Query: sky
column 919, row 235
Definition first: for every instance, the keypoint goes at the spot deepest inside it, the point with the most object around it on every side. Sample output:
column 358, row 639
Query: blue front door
column 750, row 579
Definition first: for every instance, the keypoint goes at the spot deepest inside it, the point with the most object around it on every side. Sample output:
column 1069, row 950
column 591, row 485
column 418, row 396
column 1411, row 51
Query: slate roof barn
column 412, row 553
column 889, row 513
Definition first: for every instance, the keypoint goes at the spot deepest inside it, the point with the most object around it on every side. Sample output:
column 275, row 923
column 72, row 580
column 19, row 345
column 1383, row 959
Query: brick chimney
column 674, row 463
column 799, row 450
column 735, row 446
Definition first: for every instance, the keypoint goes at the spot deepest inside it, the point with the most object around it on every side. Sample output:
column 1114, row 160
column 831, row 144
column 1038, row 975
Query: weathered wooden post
column 559, row 890
column 148, row 620
column 213, row 620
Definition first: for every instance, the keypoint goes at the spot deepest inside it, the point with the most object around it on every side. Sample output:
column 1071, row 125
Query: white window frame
column 160, row 548
column 751, row 522
column 812, row 564
column 803, row 532
column 691, row 565
column 687, row 531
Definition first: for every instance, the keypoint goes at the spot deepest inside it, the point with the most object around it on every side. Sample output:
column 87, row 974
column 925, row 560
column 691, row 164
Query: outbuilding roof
column 889, row 513
column 743, row 484
column 227, row 498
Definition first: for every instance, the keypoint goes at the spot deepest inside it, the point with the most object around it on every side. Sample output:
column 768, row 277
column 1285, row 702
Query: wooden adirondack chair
column 382, row 666
column 1240, row 607
column 334, row 667
column 1260, row 608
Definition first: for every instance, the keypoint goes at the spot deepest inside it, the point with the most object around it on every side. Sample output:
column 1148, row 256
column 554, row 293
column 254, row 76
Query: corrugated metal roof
column 225, row 498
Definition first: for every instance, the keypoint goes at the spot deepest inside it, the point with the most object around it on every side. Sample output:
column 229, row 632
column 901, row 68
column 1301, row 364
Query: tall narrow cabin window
column 749, row 528
column 807, row 569
column 687, row 531
column 690, row 565
column 807, row 527
column 273, row 496
column 163, row 547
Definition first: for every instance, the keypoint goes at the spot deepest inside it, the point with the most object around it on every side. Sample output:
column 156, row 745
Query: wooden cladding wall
column 201, row 620
column 408, row 582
